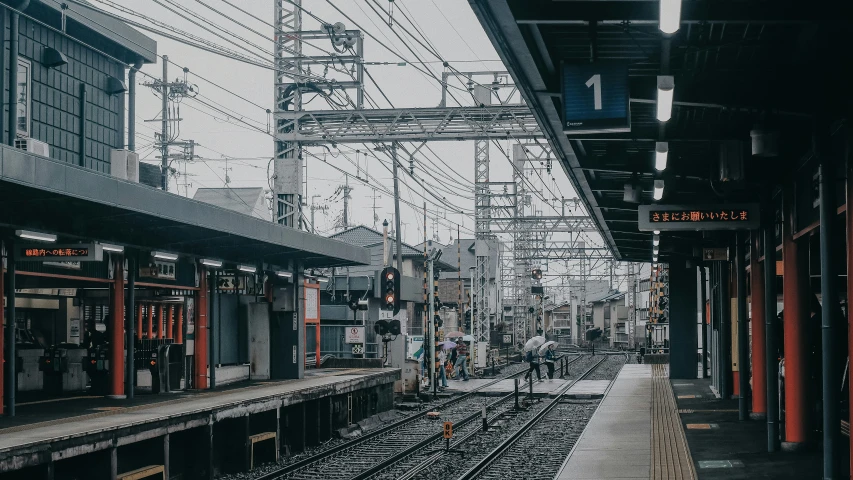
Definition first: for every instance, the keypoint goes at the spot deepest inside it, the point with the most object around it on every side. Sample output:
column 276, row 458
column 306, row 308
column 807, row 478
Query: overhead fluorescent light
column 211, row 263
column 655, row 240
column 670, row 16
column 321, row 278
column 661, row 152
column 654, row 266
column 655, row 249
column 108, row 247
column 169, row 257
column 658, row 194
column 247, row 268
column 666, row 90
column 39, row 236
column 286, row 275
column 657, row 232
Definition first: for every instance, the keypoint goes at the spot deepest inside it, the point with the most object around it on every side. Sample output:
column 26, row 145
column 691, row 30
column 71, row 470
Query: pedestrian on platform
column 550, row 357
column 461, row 357
column 533, row 360
column 442, row 361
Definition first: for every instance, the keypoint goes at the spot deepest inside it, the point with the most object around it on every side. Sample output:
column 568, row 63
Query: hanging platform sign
column 698, row 217
column 76, row 252
column 595, row 98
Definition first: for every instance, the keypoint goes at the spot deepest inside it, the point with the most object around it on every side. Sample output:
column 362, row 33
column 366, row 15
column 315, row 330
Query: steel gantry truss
column 503, row 210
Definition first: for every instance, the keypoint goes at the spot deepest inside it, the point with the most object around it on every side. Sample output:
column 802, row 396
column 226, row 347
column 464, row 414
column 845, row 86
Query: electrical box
column 33, row 146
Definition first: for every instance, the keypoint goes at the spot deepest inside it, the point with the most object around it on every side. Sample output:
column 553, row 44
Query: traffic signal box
column 391, row 289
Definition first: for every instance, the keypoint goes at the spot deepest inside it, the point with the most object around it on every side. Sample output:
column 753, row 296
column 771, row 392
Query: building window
column 24, row 100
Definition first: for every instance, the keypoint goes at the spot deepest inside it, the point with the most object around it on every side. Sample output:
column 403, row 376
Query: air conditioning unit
column 124, row 164
column 33, row 146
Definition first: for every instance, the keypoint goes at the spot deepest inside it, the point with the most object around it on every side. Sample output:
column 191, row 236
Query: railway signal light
column 536, row 274
column 391, row 289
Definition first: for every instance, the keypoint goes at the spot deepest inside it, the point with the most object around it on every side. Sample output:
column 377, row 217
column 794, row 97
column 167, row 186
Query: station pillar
column 161, row 322
column 139, row 320
column 795, row 298
column 179, row 329
column 759, row 371
column 849, row 225
column 150, row 328
column 117, row 330
column 170, row 323
column 200, row 332
column 2, row 337
column 683, row 348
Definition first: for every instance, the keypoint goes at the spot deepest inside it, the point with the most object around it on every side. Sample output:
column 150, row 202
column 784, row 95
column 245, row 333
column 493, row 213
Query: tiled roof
column 242, row 200
column 366, row 237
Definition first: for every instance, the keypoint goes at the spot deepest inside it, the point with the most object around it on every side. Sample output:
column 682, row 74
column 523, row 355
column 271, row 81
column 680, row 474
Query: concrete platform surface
column 38, row 423
column 615, row 443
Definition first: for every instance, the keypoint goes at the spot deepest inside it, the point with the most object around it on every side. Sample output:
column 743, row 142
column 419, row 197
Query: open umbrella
column 454, row 335
column 534, row 342
column 545, row 346
column 467, row 338
column 447, row 345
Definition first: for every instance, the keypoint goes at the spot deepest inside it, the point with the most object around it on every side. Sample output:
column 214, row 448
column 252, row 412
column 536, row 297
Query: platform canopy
column 737, row 66
column 38, row 193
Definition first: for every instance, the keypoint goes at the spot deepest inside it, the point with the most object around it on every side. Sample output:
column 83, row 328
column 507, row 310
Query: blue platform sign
column 596, row 98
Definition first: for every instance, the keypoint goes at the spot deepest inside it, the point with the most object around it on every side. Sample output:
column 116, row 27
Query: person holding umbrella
column 550, row 356
column 461, row 356
column 442, row 360
column 533, row 359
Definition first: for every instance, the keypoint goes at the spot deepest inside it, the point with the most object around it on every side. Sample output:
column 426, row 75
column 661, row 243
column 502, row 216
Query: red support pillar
column 759, row 346
column 200, row 332
column 179, row 328
column 150, row 321
column 794, row 299
column 116, row 329
column 139, row 320
column 170, row 324
column 161, row 321
column 2, row 338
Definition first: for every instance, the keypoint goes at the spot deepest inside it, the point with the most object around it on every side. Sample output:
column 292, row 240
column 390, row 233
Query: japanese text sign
column 78, row 252
column 698, row 217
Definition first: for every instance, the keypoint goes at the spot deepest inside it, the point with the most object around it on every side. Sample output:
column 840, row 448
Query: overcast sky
column 228, row 119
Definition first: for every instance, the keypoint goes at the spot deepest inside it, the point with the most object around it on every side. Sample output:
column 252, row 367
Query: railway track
column 356, row 457
column 407, row 467
column 512, row 457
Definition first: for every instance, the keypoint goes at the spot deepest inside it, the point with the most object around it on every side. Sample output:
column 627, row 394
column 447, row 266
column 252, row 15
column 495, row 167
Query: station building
column 699, row 140
column 116, row 292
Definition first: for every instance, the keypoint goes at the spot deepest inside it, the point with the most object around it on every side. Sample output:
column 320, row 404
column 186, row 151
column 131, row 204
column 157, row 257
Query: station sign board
column 595, row 98
column 715, row 254
column 158, row 269
column 354, row 334
column 72, row 252
column 744, row 216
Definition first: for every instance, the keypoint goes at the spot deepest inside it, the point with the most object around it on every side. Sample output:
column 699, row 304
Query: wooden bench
column 259, row 437
column 143, row 472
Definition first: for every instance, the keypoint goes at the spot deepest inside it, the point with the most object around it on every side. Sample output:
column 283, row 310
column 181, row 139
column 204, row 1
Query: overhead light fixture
column 654, row 266
column 657, row 232
column 666, row 89
column 658, row 194
column 655, row 240
column 107, row 247
column 169, row 257
column 41, row 237
column 247, row 268
column 284, row 274
column 670, row 16
column 655, row 250
column 322, row 278
column 661, row 152
column 211, row 263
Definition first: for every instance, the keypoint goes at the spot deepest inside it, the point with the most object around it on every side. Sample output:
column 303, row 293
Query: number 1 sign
column 595, row 98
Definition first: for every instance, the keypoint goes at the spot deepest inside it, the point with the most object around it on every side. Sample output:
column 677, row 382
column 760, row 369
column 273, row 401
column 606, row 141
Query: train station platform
column 56, row 431
column 634, row 434
column 725, row 448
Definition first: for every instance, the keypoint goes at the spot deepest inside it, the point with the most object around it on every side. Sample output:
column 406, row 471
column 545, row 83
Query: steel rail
column 388, row 462
column 495, row 454
column 293, row 467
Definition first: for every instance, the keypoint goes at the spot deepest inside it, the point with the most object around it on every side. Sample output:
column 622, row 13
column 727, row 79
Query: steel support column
column 725, row 306
column 200, row 339
column 759, row 369
column 742, row 329
column 2, row 332
column 116, row 329
column 829, row 321
column 771, row 364
column 11, row 378
column 795, row 298
column 849, row 225
column 703, row 288
column 130, row 335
